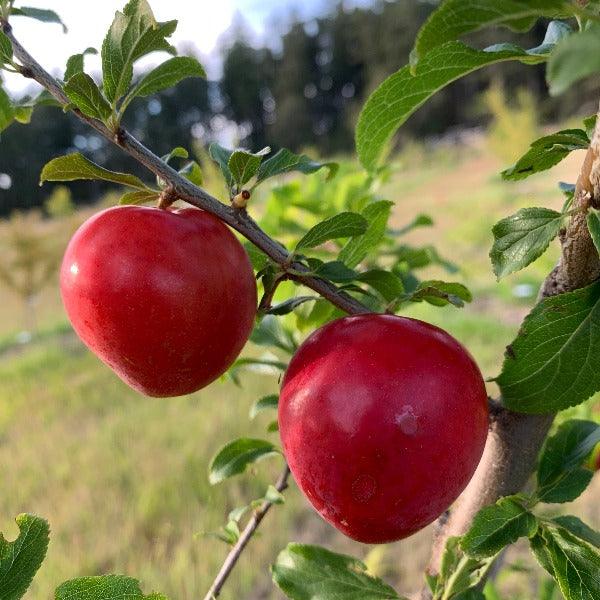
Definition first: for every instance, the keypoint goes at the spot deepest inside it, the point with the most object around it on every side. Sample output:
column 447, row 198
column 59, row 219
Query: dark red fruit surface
column 383, row 421
column 167, row 299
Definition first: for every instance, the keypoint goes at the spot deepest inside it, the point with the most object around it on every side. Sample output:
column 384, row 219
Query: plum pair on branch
column 514, row 439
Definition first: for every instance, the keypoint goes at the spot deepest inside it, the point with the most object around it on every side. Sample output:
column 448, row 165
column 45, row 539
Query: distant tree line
column 306, row 92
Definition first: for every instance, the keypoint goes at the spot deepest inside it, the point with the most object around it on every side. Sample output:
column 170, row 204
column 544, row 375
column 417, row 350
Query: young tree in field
column 384, row 421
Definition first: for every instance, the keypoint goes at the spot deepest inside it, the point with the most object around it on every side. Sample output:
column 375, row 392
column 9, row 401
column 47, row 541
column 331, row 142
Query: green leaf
column 23, row 108
column 418, row 258
column 401, row 94
column 193, row 172
column 470, row 594
column 230, row 533
column 269, row 332
column 522, row 238
column 257, row 257
column 305, row 572
column 244, row 165
column 258, row 365
column 552, row 363
column 459, row 573
column 289, row 305
column 237, row 513
column 388, row 284
column 83, row 92
column 73, row 167
column 139, row 197
column 221, row 156
column 498, row 526
column 593, row 223
column 167, row 75
column 285, row 161
column 265, row 403
column 178, row 152
column 6, row 49
column 421, row 220
column 132, row 34
column 273, row 496
column 7, row 111
column 450, row 557
column 335, row 271
column 104, row 587
column 574, row 564
column 579, row 529
column 574, row 58
column 21, row 559
column 356, row 249
column 547, row 152
column 441, row 293
column 590, row 124
column 455, row 18
column 234, row 457
column 75, row 63
column 342, row 225
column 39, row 14
column 560, row 475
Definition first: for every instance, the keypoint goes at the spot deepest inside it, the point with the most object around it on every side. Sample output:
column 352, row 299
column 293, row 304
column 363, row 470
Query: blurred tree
column 298, row 81
column 513, row 125
column 30, row 257
column 306, row 87
column 60, row 202
column 245, row 88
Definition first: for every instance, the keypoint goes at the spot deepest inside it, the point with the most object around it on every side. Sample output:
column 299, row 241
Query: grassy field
column 122, row 478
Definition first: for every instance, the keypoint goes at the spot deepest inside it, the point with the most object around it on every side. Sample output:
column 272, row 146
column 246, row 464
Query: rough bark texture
column 515, row 439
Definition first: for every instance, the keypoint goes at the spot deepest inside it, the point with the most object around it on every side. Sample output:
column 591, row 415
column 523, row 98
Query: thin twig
column 236, row 218
column 246, row 535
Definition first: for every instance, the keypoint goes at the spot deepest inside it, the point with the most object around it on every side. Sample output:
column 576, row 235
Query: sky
column 202, row 23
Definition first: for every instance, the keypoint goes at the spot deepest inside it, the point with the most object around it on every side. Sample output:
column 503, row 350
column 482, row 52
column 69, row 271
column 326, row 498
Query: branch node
column 119, row 137
column 167, row 197
column 26, row 72
column 241, row 200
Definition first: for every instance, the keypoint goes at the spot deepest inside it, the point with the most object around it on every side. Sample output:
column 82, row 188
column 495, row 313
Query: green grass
column 123, row 479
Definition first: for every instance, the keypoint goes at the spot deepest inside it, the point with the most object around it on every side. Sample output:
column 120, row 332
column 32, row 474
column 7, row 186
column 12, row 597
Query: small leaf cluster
column 565, row 546
column 21, row 559
column 20, row 110
column 338, row 229
column 240, row 167
column 133, row 34
column 236, row 457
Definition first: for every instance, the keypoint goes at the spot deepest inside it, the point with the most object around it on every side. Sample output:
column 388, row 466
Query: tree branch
column 236, row 551
column 515, row 439
column 236, row 218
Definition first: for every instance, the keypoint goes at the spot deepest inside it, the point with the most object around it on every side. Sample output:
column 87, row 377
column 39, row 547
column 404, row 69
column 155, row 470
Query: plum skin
column 166, row 298
column 383, row 421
